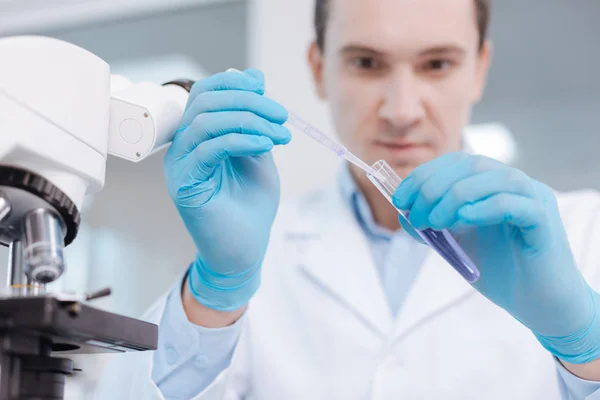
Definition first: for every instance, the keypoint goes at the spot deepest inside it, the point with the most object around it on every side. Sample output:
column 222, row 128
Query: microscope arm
column 143, row 117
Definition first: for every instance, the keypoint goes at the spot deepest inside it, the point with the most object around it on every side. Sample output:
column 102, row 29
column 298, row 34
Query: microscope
column 61, row 114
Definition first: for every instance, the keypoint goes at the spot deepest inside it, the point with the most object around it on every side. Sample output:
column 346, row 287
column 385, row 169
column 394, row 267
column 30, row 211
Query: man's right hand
column 222, row 178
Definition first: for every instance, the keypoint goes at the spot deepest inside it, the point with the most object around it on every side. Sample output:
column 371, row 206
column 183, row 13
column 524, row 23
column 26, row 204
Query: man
column 350, row 306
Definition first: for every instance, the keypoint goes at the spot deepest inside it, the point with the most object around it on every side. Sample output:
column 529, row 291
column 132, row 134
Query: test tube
column 442, row 241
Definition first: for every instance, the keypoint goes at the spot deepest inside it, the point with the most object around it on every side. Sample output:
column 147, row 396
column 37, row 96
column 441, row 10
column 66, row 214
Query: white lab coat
column 320, row 326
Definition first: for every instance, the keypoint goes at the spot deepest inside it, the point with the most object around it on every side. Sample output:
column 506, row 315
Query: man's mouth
column 400, row 146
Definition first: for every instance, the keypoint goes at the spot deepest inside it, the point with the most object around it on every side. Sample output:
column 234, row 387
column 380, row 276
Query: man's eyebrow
column 443, row 49
column 432, row 51
column 356, row 48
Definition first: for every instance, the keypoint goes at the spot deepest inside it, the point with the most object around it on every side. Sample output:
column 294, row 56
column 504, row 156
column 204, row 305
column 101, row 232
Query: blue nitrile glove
column 221, row 176
column 509, row 225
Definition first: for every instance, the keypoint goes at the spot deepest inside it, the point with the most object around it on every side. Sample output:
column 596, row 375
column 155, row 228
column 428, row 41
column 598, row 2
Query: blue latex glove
column 509, row 225
column 221, row 176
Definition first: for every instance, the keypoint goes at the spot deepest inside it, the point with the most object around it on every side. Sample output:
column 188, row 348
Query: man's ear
column 315, row 62
column 483, row 67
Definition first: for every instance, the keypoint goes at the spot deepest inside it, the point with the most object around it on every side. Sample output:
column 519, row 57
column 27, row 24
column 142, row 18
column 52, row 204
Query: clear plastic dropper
column 328, row 143
column 324, row 140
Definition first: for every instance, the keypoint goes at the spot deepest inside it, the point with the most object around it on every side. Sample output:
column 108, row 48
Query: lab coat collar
column 353, row 196
column 340, row 261
column 436, row 289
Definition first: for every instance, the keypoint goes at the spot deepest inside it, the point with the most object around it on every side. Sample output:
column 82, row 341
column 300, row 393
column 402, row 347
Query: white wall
column 25, row 16
column 280, row 32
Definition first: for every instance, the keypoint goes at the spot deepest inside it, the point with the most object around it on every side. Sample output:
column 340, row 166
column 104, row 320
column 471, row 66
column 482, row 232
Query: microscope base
column 35, row 329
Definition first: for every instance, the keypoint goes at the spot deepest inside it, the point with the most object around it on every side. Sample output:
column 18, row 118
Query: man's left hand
column 509, row 225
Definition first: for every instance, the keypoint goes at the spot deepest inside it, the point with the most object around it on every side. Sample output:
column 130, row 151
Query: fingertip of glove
column 265, row 141
column 257, row 75
column 401, row 194
column 280, row 114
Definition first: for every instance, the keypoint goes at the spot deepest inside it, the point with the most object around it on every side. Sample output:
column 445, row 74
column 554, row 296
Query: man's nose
column 402, row 103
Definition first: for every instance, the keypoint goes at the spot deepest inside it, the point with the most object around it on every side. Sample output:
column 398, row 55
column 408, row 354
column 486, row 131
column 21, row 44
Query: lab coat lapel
column 340, row 261
column 437, row 289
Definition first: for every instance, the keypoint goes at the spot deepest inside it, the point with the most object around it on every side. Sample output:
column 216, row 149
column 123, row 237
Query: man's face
column 401, row 76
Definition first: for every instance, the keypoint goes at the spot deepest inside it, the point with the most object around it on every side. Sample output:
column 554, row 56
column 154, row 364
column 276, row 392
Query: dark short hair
column 322, row 15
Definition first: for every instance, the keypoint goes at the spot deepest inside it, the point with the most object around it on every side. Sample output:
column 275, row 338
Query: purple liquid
column 446, row 246
column 386, row 180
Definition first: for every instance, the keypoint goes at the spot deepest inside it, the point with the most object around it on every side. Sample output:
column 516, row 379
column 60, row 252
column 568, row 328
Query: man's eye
column 438, row 65
column 365, row 63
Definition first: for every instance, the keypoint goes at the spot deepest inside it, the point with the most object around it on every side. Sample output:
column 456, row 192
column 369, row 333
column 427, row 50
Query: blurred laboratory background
column 541, row 112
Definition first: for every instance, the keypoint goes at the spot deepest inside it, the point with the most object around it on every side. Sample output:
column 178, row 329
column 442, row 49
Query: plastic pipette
column 323, row 139
column 329, row 143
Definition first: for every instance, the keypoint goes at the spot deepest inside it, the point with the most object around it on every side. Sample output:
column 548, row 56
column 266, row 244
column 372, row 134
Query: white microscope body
column 61, row 114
